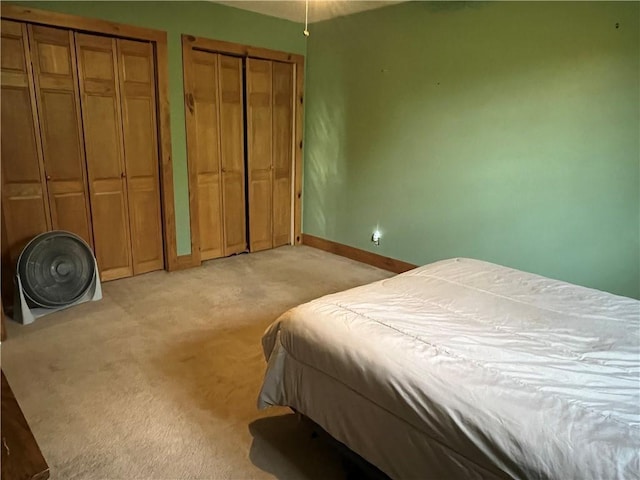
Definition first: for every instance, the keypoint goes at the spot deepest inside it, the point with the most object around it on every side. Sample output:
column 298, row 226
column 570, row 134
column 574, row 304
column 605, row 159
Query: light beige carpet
column 160, row 378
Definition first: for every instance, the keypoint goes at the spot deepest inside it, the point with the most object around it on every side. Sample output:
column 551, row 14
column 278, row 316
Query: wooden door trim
column 239, row 50
column 188, row 261
column 298, row 106
column 189, row 43
column 164, row 148
column 84, row 24
column 192, row 170
column 357, row 254
column 159, row 40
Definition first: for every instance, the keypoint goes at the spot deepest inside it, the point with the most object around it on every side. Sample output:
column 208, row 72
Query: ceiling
column 319, row 10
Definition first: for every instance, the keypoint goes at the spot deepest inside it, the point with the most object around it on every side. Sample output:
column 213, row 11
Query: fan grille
column 56, row 269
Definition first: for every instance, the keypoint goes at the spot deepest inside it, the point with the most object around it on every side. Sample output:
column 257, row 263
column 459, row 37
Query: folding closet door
column 270, row 111
column 282, row 152
column 25, row 209
column 102, row 122
column 55, row 73
column 231, row 108
column 137, row 81
column 259, row 143
column 203, row 139
column 215, row 139
column 240, row 172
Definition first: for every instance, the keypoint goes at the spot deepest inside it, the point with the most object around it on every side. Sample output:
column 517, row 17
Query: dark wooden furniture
column 3, row 330
column 21, row 456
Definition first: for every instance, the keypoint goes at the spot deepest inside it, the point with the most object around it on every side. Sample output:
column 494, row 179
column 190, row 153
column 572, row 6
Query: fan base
column 26, row 313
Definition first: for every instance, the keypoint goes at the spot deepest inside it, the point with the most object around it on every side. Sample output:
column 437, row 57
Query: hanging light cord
column 306, row 18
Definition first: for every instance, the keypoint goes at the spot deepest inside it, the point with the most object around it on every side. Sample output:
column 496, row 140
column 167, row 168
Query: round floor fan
column 55, row 270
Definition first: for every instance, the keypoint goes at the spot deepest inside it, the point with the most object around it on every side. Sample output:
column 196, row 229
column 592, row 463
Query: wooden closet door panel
column 102, row 121
column 209, row 217
column 204, row 147
column 232, row 153
column 259, row 132
column 25, row 207
column 137, row 83
column 282, row 151
column 54, row 66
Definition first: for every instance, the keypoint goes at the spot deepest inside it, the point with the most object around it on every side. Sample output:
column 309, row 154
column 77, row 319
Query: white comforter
column 484, row 371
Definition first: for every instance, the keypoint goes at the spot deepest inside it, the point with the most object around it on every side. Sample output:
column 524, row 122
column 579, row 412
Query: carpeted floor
column 160, row 378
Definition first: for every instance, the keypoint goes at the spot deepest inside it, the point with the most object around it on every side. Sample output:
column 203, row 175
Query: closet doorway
column 243, row 109
column 85, row 140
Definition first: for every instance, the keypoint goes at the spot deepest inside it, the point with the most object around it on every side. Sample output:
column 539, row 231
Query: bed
column 466, row 369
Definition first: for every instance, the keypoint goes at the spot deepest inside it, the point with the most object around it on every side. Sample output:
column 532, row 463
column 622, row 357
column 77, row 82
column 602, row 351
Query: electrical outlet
column 375, row 238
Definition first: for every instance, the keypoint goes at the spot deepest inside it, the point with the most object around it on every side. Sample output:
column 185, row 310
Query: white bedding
column 467, row 369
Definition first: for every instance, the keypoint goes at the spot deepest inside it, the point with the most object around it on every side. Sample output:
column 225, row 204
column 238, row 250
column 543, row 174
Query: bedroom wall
column 203, row 19
column 504, row 131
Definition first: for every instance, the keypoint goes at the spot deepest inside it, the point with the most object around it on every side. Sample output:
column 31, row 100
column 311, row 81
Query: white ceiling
column 318, row 9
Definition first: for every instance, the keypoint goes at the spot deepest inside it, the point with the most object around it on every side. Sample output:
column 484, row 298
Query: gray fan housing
column 55, row 270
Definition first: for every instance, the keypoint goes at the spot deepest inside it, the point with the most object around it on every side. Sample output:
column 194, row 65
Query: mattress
column 466, row 369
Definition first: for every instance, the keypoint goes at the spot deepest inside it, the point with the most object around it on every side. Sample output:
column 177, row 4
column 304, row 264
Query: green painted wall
column 505, row 131
column 203, row 19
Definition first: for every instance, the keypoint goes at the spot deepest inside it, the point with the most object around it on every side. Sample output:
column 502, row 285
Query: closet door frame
column 190, row 43
column 158, row 39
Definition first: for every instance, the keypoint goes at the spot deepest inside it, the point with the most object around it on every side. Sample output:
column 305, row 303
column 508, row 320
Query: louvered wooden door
column 54, row 68
column 25, row 209
column 270, row 143
column 215, row 136
column 102, row 122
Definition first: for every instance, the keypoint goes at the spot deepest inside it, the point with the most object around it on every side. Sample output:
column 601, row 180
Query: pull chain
column 306, row 18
